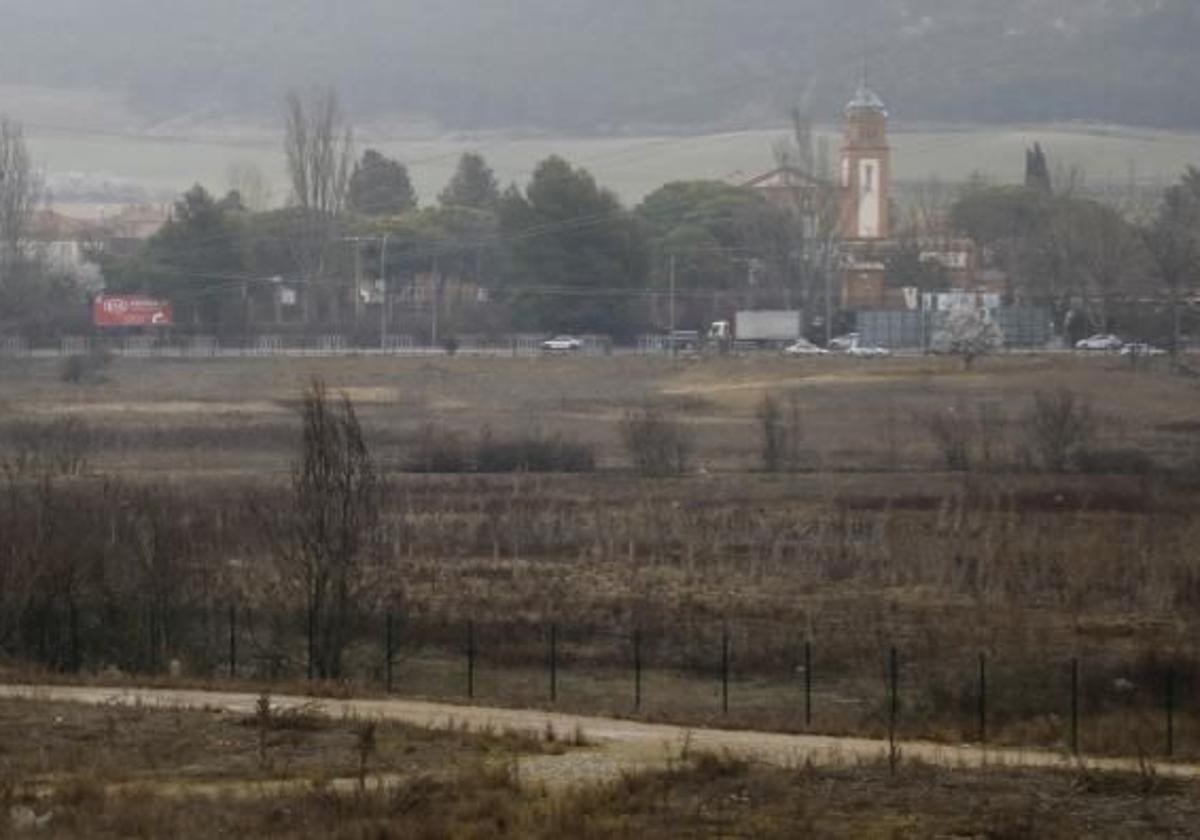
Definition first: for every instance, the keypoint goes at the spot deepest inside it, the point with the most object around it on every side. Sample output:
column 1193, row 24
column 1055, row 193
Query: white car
column 844, row 342
column 562, row 344
column 1102, row 341
column 864, row 351
column 803, row 347
column 1139, row 348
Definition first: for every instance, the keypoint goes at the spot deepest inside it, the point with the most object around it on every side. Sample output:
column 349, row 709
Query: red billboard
column 130, row 311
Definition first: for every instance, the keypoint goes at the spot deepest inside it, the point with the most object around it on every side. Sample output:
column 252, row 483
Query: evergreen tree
column 191, row 260
column 380, row 186
column 473, row 185
column 1037, row 170
column 577, row 259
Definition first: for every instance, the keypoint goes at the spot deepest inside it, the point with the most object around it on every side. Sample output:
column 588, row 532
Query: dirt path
column 617, row 745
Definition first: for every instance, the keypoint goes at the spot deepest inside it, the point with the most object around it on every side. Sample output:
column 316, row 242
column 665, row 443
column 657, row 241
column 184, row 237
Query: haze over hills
column 587, row 66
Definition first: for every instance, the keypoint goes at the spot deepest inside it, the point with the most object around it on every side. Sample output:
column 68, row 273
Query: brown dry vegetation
column 871, row 546
column 46, row 745
column 120, row 772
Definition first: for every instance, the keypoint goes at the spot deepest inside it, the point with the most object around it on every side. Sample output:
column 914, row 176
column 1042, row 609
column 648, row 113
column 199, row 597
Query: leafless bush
column 781, row 432
column 969, row 438
column 83, row 368
column 657, row 444
column 532, row 453
column 952, row 430
column 1059, row 427
column 439, row 451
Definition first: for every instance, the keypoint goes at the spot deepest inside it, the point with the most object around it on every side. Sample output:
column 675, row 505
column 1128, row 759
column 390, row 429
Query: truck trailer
column 758, row 329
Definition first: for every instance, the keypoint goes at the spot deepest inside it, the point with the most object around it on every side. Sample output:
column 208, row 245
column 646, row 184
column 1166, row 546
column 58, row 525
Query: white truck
column 758, row 329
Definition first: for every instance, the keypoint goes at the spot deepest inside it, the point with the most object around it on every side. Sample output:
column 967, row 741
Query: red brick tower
column 866, row 169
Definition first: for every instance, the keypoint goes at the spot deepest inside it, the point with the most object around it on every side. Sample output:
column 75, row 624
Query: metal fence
column 757, row 674
column 899, row 330
column 1023, row 327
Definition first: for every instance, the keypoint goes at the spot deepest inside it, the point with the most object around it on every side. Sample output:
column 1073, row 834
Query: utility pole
column 357, row 281
column 671, row 307
column 825, row 260
column 437, row 299
column 383, row 292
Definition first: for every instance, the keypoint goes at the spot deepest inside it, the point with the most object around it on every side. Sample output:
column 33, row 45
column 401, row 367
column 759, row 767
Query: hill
column 585, row 66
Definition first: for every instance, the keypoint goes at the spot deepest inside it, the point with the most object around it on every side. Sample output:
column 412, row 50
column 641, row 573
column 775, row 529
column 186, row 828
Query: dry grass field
column 868, row 541
column 193, row 416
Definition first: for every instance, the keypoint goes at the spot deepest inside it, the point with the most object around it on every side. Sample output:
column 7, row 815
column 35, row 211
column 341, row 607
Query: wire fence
column 758, row 675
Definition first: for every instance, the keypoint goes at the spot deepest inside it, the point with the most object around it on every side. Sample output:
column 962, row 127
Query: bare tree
column 250, row 183
column 22, row 189
column 319, row 145
column 331, row 534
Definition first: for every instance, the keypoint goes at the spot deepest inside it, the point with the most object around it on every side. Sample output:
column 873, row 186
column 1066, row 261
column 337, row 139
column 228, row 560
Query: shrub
column 532, row 453
column 657, row 444
column 438, row 451
column 951, row 431
column 445, row 452
column 1059, row 426
column 81, row 368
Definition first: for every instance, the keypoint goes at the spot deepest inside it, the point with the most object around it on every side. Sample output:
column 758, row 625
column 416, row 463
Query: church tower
column 866, row 169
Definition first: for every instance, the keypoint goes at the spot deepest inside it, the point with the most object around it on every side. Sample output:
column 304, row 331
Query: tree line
column 561, row 252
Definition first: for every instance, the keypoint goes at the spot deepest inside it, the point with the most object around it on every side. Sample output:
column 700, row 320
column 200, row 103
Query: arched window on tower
column 869, row 178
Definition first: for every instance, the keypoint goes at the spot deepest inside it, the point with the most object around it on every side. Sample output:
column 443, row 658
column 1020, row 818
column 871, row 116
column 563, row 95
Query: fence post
column 637, row 670
column 471, row 660
column 894, row 702
column 982, row 698
column 76, row 647
column 1170, row 711
column 391, row 654
column 233, row 641
column 553, row 663
column 1075, row 705
column 808, row 684
column 725, row 671
column 312, row 640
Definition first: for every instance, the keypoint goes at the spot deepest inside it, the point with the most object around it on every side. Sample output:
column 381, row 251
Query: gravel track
column 614, row 746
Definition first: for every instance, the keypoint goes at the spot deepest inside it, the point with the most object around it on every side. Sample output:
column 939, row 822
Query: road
column 617, row 746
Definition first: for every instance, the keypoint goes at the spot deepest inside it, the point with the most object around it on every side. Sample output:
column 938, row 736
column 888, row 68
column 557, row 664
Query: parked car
column 562, row 344
column 803, row 347
column 864, row 351
column 1101, row 341
column 844, row 342
column 1139, row 348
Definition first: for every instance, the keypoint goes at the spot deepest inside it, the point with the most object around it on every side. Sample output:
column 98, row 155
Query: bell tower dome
column 866, row 168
